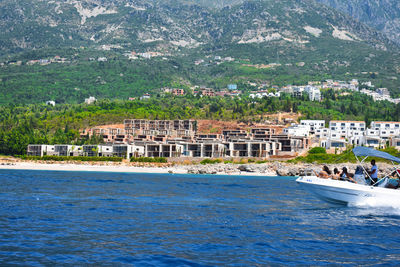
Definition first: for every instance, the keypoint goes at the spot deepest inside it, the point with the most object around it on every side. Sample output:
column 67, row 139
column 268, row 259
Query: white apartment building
column 385, row 126
column 347, row 125
column 351, row 132
column 313, row 124
column 380, row 132
column 322, row 133
column 297, row 130
column 314, row 94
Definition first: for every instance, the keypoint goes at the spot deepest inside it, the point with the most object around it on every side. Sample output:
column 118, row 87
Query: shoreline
column 265, row 169
column 118, row 169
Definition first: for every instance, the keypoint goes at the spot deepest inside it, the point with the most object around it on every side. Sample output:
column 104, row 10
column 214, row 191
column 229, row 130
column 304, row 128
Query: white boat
column 345, row 192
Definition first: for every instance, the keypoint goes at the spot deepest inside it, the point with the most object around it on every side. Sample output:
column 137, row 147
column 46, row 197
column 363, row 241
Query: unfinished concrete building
column 160, row 127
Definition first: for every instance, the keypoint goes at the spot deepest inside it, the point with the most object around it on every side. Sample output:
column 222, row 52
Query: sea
column 53, row 218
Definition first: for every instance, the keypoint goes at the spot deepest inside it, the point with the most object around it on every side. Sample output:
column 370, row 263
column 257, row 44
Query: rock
column 282, row 172
column 246, row 168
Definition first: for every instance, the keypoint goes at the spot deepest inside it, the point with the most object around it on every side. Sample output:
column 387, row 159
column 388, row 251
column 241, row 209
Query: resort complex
column 180, row 138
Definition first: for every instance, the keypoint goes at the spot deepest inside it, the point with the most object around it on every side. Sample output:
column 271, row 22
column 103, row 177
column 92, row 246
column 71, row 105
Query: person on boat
column 345, row 176
column 359, row 176
column 374, row 172
column 325, row 173
column 336, row 174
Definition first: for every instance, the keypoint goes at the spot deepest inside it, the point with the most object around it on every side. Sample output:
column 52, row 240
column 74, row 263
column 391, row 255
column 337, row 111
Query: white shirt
column 374, row 174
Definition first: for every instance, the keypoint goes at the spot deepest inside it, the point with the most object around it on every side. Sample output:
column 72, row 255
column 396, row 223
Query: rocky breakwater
column 303, row 169
column 237, row 169
column 276, row 168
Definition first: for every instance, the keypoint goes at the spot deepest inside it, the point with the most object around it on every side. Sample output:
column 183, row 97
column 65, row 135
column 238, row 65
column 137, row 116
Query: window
column 396, row 125
column 343, row 124
column 352, row 124
column 387, row 125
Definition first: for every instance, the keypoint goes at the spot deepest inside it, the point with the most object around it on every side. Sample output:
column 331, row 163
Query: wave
column 377, row 207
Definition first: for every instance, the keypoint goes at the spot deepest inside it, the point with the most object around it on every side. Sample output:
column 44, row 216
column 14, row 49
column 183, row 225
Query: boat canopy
column 362, row 151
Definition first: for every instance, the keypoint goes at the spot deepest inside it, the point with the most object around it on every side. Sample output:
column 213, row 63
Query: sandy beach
column 126, row 168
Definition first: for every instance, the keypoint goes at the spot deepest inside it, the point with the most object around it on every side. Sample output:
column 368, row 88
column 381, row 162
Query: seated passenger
column 325, row 173
column 359, row 176
column 336, row 174
column 391, row 183
column 345, row 176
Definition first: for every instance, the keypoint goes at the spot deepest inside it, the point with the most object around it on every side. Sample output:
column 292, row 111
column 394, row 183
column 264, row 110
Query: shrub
column 144, row 159
column 210, row 161
column 317, row 150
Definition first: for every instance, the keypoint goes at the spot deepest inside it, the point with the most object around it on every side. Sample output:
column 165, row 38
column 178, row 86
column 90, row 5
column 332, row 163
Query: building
column 64, row 150
column 145, row 96
column 297, row 130
column 232, row 86
column 322, row 133
column 178, row 92
column 38, row 150
column 90, row 100
column 156, row 150
column 346, row 132
column 313, row 125
column 207, row 92
column 384, row 130
column 173, row 128
column 51, row 103
column 314, row 94
column 297, row 91
column 383, row 92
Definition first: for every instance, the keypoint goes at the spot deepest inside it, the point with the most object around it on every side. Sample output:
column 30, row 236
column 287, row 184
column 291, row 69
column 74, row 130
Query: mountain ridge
column 383, row 15
column 89, row 23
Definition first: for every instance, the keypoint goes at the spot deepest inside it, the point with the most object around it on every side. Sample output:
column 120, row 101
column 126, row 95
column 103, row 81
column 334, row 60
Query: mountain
column 130, row 23
column 306, row 40
column 383, row 15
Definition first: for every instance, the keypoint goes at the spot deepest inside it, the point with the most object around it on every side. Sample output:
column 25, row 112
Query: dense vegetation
column 120, row 78
column 153, row 160
column 319, row 155
column 41, row 124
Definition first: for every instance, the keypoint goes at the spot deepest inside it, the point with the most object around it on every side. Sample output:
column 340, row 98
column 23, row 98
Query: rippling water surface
column 78, row 218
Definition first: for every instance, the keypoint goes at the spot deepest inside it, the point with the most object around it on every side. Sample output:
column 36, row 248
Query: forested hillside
column 23, row 125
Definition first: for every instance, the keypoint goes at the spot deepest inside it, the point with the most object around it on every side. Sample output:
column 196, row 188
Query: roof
column 390, row 122
column 350, row 121
column 370, row 152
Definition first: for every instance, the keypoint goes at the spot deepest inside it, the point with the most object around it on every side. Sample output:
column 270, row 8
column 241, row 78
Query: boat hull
column 342, row 192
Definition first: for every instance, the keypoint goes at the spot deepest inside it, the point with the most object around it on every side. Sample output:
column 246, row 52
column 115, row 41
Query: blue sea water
column 84, row 218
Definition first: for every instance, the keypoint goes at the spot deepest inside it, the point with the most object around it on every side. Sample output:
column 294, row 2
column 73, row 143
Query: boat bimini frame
column 362, row 153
